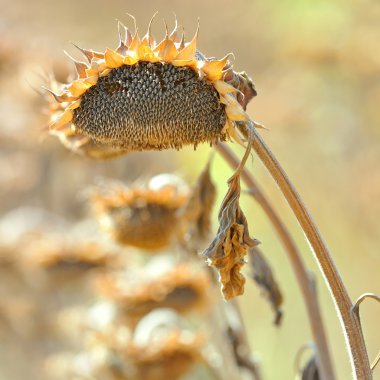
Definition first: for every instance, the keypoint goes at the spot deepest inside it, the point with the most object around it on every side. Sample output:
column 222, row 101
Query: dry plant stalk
column 351, row 323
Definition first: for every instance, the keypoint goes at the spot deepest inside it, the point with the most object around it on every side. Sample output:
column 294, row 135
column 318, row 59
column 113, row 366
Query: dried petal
column 264, row 278
column 214, row 69
column 79, row 66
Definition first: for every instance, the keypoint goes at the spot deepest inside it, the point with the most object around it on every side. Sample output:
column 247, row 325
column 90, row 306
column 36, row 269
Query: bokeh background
column 316, row 66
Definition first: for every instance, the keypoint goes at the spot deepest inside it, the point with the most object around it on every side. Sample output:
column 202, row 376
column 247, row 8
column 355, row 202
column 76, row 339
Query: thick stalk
column 350, row 321
column 305, row 280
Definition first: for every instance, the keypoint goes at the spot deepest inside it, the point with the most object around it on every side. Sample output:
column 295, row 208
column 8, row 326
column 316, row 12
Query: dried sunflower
column 149, row 95
column 183, row 288
column 142, row 217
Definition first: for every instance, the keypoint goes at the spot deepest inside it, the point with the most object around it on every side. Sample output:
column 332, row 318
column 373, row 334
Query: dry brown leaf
column 197, row 212
column 264, row 278
column 228, row 250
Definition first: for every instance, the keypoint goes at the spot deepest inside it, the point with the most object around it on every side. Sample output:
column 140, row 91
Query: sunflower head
column 149, row 95
column 143, row 217
column 183, row 288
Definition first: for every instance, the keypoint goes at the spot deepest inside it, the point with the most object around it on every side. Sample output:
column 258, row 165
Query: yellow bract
column 113, row 59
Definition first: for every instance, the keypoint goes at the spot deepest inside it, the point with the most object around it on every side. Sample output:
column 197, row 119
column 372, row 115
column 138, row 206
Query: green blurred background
column 316, row 66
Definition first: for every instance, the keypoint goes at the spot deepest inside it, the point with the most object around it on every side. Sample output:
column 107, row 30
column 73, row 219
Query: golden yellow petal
column 135, row 44
column 161, row 45
column 80, row 86
column 130, row 60
column 188, row 52
column 223, row 87
column 167, row 50
column 185, row 62
column 105, row 72
column 74, row 105
column 147, row 54
column 113, row 59
column 91, row 72
column 214, row 69
column 91, row 80
column 62, row 120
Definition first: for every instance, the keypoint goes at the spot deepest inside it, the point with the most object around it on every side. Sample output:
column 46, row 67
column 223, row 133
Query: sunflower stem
column 350, row 321
column 305, row 280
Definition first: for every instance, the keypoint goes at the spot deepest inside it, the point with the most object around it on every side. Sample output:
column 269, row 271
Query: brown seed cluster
column 151, row 106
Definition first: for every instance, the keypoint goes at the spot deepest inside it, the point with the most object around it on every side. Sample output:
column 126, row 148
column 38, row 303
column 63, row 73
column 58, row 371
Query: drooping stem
column 305, row 280
column 351, row 324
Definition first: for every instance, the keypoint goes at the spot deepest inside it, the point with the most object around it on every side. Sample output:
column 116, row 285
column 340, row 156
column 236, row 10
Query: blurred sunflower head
column 149, row 95
column 142, row 217
column 183, row 288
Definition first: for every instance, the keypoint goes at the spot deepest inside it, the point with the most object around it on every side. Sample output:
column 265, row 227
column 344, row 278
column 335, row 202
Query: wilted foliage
column 228, row 250
column 263, row 276
column 196, row 214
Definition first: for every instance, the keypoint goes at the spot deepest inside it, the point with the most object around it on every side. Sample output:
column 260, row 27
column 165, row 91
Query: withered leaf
column 197, row 212
column 264, row 278
column 228, row 250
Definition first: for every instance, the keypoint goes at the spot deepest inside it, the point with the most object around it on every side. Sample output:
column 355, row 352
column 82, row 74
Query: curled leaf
column 263, row 275
column 197, row 212
column 228, row 250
